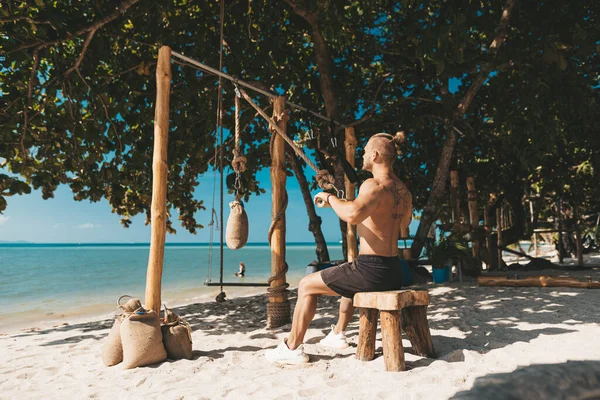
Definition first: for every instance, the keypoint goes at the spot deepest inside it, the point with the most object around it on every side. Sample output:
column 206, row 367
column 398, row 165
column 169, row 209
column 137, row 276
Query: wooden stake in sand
column 159, row 180
column 351, row 192
column 454, row 201
column 473, row 214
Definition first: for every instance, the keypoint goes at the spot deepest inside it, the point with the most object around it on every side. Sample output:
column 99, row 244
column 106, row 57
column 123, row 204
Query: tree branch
column 86, row 44
column 105, row 110
column 113, row 35
column 128, row 70
column 32, row 78
column 28, row 19
column 310, row 17
column 126, row 4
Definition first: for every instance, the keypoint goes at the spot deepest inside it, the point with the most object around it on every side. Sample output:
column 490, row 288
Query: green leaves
column 392, row 63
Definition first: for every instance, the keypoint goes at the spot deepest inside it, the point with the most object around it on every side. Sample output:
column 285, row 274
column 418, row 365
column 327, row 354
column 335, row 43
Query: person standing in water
column 242, row 271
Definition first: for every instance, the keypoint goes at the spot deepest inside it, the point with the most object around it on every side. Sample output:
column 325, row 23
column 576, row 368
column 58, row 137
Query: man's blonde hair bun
column 399, row 138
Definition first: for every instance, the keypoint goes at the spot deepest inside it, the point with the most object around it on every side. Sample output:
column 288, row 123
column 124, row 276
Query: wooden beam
column 578, row 236
column 537, row 281
column 560, row 227
column 473, row 214
column 499, row 231
column 455, row 203
column 278, row 310
column 158, row 209
column 350, row 144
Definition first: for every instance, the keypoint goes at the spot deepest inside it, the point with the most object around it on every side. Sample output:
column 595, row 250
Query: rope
column 220, row 119
column 324, row 178
column 277, row 217
column 239, row 161
column 278, row 290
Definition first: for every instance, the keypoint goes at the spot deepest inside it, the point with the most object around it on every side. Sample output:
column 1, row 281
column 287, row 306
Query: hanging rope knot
column 239, row 162
column 325, row 180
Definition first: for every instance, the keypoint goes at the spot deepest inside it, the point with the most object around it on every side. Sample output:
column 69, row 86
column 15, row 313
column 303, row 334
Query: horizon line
column 24, row 242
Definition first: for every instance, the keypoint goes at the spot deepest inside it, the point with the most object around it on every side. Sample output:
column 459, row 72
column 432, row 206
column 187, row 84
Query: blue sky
column 64, row 220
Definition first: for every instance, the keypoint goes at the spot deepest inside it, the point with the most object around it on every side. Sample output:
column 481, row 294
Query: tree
column 77, row 90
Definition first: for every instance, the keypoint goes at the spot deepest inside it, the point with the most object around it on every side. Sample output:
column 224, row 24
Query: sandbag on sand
column 237, row 226
column 177, row 336
column 142, row 339
column 112, row 352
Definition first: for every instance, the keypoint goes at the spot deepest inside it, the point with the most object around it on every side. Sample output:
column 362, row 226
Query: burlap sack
column 237, row 226
column 142, row 339
column 112, row 351
column 177, row 336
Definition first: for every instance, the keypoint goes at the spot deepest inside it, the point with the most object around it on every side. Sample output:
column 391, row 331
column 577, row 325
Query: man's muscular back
column 379, row 232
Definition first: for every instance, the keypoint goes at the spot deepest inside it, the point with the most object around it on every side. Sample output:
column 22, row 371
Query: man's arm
column 356, row 211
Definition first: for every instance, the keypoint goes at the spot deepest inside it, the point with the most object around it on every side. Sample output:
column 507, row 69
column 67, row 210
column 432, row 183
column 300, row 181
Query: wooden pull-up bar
column 250, row 86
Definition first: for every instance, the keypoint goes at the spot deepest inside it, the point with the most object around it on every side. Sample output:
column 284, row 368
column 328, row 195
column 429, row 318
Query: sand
column 476, row 331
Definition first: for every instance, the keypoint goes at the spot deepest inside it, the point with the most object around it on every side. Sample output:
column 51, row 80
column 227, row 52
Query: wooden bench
column 399, row 309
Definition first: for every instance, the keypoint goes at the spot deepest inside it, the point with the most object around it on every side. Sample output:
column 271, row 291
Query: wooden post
column 488, row 230
column 454, row 197
column 351, row 192
column 159, row 181
column 391, row 337
column 532, row 219
column 560, row 228
column 278, row 308
column 473, row 214
column 578, row 236
column 366, row 334
column 414, row 323
column 499, row 231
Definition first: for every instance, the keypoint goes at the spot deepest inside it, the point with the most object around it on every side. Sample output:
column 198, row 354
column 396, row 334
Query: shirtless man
column 382, row 208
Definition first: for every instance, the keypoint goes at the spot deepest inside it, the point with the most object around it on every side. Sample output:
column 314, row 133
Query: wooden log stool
column 399, row 309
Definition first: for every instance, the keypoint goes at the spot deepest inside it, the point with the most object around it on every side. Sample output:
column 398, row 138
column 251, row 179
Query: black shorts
column 366, row 273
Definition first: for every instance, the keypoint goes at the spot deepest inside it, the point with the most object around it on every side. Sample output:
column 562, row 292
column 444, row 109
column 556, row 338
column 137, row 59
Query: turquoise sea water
column 56, row 282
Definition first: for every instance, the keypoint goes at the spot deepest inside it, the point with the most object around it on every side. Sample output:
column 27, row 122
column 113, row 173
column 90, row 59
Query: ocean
column 44, row 283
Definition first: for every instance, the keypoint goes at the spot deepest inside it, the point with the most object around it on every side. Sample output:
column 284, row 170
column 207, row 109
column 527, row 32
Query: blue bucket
column 441, row 275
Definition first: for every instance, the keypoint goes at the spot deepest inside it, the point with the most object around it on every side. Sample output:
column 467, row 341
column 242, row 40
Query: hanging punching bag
column 237, row 226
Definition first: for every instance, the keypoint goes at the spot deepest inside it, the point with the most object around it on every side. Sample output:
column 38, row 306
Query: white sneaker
column 337, row 341
column 283, row 355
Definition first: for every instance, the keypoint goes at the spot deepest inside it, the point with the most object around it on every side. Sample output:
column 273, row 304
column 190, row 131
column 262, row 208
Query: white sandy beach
column 476, row 331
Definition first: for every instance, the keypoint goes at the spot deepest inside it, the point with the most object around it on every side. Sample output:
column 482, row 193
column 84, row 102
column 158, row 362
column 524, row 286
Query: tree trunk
column 439, row 181
column 315, row 221
column 325, row 67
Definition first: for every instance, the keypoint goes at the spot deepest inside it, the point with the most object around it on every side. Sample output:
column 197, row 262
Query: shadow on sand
column 487, row 318
column 571, row 380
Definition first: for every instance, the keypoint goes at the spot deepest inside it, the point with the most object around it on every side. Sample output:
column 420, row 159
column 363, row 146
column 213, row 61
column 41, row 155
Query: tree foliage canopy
column 77, row 91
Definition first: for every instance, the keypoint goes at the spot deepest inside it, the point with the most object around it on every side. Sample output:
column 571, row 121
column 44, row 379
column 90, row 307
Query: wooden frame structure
column 278, row 308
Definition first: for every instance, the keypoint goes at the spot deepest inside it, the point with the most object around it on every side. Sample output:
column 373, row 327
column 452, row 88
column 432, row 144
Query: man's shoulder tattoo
column 401, row 196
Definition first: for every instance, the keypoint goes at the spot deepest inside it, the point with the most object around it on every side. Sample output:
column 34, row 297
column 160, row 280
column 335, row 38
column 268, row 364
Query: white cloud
column 3, row 219
column 86, row 226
